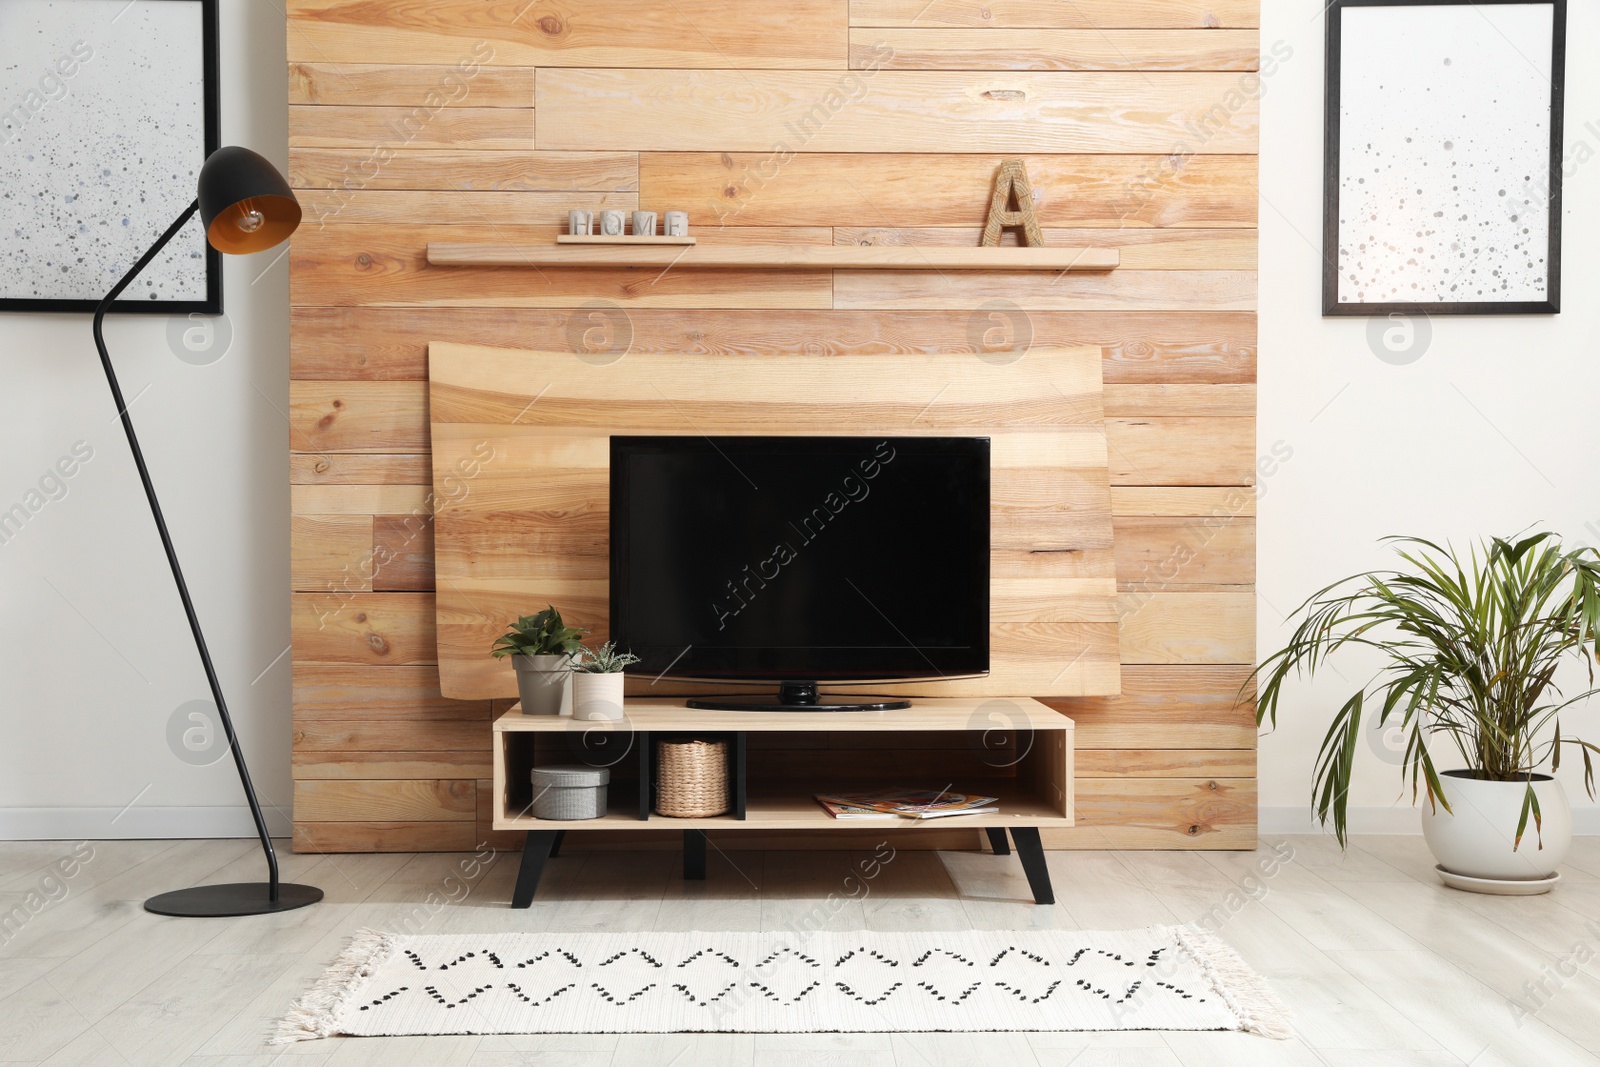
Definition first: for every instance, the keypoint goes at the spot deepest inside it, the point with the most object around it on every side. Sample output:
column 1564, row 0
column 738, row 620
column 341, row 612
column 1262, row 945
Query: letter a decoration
column 1011, row 185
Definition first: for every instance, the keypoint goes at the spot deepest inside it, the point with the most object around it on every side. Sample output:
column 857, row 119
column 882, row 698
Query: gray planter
column 544, row 683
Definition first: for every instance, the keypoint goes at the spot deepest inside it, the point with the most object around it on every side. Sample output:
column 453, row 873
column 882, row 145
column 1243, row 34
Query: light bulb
column 251, row 221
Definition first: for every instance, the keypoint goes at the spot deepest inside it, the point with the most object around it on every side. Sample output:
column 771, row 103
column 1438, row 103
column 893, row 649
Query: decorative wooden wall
column 532, row 524
column 812, row 121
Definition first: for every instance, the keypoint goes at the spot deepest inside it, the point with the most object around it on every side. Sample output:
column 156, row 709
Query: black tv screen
column 801, row 558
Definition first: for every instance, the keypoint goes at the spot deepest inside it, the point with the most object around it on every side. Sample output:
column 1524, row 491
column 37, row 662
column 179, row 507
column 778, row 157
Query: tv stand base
column 794, row 696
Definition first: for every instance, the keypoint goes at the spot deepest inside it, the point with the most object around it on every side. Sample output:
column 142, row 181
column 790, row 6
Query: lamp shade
column 245, row 204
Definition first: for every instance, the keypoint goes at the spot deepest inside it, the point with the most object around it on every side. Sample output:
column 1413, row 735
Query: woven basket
column 691, row 778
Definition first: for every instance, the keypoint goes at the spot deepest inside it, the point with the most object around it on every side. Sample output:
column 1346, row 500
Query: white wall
column 94, row 651
column 1492, row 430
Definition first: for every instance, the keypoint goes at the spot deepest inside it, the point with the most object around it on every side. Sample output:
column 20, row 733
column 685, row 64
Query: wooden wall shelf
column 770, row 257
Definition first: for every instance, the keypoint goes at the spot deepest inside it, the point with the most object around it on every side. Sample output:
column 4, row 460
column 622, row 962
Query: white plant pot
column 1475, row 838
column 597, row 697
column 544, row 683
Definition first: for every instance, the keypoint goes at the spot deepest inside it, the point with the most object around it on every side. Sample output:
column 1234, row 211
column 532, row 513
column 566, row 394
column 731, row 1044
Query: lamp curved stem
column 166, row 540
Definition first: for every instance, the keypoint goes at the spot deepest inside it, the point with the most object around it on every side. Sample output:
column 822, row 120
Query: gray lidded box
column 569, row 791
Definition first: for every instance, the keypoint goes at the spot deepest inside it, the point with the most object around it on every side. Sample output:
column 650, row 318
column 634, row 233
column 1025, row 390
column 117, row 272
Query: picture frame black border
column 1330, row 208
column 212, row 304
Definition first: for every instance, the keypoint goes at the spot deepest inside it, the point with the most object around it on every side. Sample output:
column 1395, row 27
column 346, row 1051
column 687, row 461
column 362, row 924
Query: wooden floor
column 1381, row 965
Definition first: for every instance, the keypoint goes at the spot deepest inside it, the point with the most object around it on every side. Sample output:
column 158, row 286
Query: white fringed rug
column 1160, row 978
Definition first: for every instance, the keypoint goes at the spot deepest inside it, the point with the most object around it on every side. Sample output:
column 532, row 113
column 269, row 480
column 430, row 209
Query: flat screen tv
column 801, row 561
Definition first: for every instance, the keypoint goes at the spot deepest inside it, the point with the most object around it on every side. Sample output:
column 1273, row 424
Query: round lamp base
column 232, row 898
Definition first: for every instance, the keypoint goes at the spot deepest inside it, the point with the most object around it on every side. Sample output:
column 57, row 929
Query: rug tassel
column 1246, row 993
column 314, row 1014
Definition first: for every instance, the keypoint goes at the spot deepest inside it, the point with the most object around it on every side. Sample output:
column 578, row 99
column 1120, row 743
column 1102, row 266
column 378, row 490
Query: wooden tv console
column 1031, row 773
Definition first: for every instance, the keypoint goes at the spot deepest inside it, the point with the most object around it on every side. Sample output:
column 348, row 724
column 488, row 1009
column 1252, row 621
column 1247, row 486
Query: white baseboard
column 108, row 824
column 135, row 823
column 1386, row 820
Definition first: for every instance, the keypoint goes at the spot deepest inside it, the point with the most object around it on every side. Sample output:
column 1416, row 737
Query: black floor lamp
column 245, row 206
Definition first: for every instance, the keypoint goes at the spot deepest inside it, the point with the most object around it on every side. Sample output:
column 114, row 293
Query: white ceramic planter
column 597, row 697
column 1476, row 837
column 544, row 683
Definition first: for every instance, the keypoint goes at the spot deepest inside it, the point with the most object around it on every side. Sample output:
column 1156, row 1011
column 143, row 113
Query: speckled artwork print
column 1444, row 155
column 101, row 139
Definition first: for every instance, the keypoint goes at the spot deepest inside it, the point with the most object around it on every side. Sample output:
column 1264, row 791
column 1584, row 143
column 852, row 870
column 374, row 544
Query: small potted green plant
column 1470, row 648
column 598, row 682
column 541, row 648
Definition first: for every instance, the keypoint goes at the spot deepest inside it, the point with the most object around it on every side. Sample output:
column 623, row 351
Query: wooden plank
column 335, row 837
column 601, row 33
column 1179, row 451
column 366, row 128
column 317, row 763
column 1162, row 812
column 916, row 48
column 880, row 189
column 409, row 85
column 1156, row 248
column 360, row 499
column 1222, row 501
column 349, row 470
column 1157, row 553
column 448, row 207
column 1168, row 706
column 1049, row 14
column 1181, row 400
column 922, row 839
column 893, row 111
column 671, row 714
column 402, row 546
column 358, row 417
column 404, row 800
column 1235, row 837
column 1158, row 627
column 370, row 628
column 461, row 167
column 342, row 737
column 1166, row 763
column 786, row 257
column 386, row 266
column 330, row 552
column 386, row 343
column 410, row 694
column 1121, row 290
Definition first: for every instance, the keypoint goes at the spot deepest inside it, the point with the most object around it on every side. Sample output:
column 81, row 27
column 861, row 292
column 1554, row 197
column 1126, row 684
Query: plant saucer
column 1504, row 887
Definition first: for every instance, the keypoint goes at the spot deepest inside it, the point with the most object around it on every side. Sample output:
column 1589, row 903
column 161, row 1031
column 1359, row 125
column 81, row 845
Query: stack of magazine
column 905, row 803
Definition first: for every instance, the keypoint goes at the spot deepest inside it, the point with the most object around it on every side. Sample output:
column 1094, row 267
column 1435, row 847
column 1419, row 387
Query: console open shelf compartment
column 1031, row 774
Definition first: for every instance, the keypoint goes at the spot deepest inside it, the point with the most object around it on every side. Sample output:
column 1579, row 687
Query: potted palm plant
column 598, row 682
column 541, row 648
column 1470, row 651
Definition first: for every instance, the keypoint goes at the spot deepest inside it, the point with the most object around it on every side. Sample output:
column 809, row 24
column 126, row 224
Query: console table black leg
column 555, row 846
column 535, row 851
column 997, row 840
column 694, row 854
column 1031, row 851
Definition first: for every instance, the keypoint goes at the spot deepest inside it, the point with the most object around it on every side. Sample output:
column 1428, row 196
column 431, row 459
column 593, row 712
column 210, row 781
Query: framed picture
column 1443, row 157
column 108, row 109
